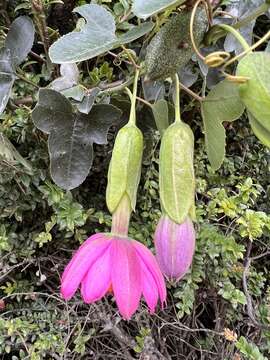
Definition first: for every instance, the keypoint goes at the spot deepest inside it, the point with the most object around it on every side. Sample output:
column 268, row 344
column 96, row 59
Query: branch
column 250, row 309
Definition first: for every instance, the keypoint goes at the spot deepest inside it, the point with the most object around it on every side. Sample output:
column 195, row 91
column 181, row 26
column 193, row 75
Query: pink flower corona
column 124, row 265
column 175, row 245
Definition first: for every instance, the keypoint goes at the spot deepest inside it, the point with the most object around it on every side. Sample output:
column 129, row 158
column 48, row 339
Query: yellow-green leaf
column 255, row 93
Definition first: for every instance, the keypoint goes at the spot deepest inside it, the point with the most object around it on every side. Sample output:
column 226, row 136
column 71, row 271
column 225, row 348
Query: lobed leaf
column 223, row 103
column 96, row 37
column 71, row 135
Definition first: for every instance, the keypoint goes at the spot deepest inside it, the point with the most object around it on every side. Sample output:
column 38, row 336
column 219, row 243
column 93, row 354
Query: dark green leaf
column 87, row 103
column 95, row 38
column 153, row 91
column 71, row 135
column 7, row 77
column 161, row 115
column 19, row 42
column 76, row 92
column 20, row 39
column 223, row 103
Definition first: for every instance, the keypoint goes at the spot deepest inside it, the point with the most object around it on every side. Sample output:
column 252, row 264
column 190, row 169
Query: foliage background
column 208, row 315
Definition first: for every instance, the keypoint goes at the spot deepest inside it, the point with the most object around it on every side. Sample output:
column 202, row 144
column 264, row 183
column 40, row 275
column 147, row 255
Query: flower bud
column 176, row 172
column 175, row 245
column 125, row 167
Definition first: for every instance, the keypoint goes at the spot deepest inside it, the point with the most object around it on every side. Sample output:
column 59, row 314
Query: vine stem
column 190, row 92
column 144, row 101
column 177, row 99
column 116, row 86
column 250, row 49
column 133, row 98
column 130, row 57
column 208, row 10
column 236, row 34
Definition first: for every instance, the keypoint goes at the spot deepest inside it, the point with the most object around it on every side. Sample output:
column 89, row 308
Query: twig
column 40, row 20
column 28, row 100
column 136, row 66
column 37, row 57
column 190, row 92
column 116, row 86
column 116, row 56
column 27, row 81
column 267, row 253
column 144, row 101
column 115, row 330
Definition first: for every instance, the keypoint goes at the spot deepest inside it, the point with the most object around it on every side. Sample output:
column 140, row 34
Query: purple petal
column 175, row 245
column 126, row 276
column 83, row 259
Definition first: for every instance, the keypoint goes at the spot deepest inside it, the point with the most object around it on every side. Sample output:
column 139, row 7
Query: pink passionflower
column 175, row 245
column 106, row 263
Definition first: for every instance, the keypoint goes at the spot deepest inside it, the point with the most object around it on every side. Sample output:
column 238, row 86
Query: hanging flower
column 175, row 235
column 175, row 245
column 106, row 262
column 114, row 262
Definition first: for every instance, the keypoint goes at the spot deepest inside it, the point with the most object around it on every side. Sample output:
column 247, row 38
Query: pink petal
column 151, row 264
column 126, row 276
column 83, row 259
column 97, row 281
column 85, row 243
column 149, row 288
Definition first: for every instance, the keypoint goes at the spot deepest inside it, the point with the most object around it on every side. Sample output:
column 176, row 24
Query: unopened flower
column 175, row 245
column 106, row 262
